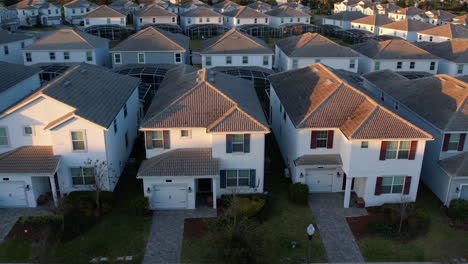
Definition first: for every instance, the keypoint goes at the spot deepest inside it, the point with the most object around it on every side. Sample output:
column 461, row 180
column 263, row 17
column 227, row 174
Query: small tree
column 102, row 178
column 406, row 208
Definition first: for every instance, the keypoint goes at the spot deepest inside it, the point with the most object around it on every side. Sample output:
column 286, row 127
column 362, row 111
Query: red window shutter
column 313, row 140
column 378, row 186
column 407, row 186
column 446, row 142
column 412, row 152
column 383, row 150
column 461, row 143
column 330, row 139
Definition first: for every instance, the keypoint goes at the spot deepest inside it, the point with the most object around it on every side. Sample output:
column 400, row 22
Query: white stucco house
column 199, row 149
column 76, row 9
column 382, row 9
column 8, row 19
column 396, row 55
column 245, row 15
column 200, row 16
column 407, row 13
column 152, row 15
column 47, row 137
column 37, row 12
column 284, row 15
column 11, row 45
column 342, row 19
column 235, row 48
column 351, row 5
column 406, row 29
column 443, row 33
column 104, row 15
column 371, row 24
column 445, row 159
column 260, row 6
column 330, row 134
column 453, row 54
column 68, row 45
column 298, row 51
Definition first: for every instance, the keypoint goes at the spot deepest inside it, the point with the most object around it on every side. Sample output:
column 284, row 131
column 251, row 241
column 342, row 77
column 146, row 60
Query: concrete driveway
column 9, row 216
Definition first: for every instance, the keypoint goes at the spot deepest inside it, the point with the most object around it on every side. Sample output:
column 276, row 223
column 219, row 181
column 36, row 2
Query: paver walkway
column 166, row 235
column 336, row 235
column 9, row 216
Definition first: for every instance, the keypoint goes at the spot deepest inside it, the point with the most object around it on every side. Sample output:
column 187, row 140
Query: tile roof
column 8, row 37
column 79, row 3
column 31, row 4
column 325, row 159
column 313, row 45
column 462, row 20
column 151, row 39
column 286, row 11
column 448, row 31
column 12, row 74
column 409, row 11
column 226, row 4
column 154, row 10
column 454, row 50
column 440, row 14
column 68, row 39
column 455, row 166
column 346, row 16
column 29, row 159
column 191, row 97
column 327, row 98
column 103, row 11
column 181, row 162
column 201, row 11
column 259, row 5
column 245, row 12
column 235, row 42
column 408, row 25
column 375, row 20
column 440, row 99
column 392, row 49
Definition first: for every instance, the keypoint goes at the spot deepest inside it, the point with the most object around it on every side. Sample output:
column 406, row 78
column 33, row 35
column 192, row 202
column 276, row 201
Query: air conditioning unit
column 286, row 173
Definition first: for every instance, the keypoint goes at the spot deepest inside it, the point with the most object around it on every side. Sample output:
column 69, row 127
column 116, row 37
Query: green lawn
column 284, row 223
column 195, row 45
column 441, row 243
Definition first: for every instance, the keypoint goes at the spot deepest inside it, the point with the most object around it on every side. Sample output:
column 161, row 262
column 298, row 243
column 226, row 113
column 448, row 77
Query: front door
column 204, row 185
column 319, row 180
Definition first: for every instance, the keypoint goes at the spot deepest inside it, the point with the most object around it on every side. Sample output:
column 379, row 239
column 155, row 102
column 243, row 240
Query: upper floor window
column 178, row 58
column 189, row 20
column 460, row 68
column 82, row 176
column 237, row 143
column 228, row 60
column 157, row 139
column 208, row 20
column 399, row 65
column 208, row 60
column 122, row 21
column 266, row 60
column 364, row 144
column 219, row 20
column 412, row 65
column 294, row 63
column 108, row 20
column 419, row 37
column 245, row 59
column 430, row 38
column 377, row 66
column 173, row 20
column 255, row 20
column 352, row 63
column 52, row 55
column 117, row 58
column 432, row 66
column 154, row 20
column 266, row 20
column 141, row 58
column 78, row 140
column 66, row 55
column 6, row 51
column 321, row 139
column 4, row 137
column 49, row 11
column 87, row 21
column 89, row 56
column 317, row 60
column 185, row 133
column 115, row 126
column 200, row 20
column 28, row 56
column 126, row 139
column 398, row 150
column 28, row 130
column 238, row 21
column 22, row 45
column 141, row 20
column 454, row 142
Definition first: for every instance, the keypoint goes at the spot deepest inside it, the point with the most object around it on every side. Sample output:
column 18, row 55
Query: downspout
column 448, row 191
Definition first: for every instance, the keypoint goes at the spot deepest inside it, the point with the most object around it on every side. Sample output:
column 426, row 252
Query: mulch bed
column 20, row 230
column 195, row 228
column 358, row 225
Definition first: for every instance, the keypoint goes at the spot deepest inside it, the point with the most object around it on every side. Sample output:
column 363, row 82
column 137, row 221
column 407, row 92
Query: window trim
column 237, row 178
column 238, row 143
column 28, row 135
column 84, row 140
column 66, row 55
column 28, row 58
column 120, row 58
column 228, row 60
column 7, row 137
column 325, row 132
column 153, row 139
column 180, row 57
column 82, row 176
column 393, row 185
column 245, row 59
column 87, row 57
column 138, row 57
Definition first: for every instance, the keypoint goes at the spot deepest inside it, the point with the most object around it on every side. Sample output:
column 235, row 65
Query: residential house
column 406, row 29
column 204, row 137
column 48, row 137
column 382, row 9
column 104, row 15
column 200, row 16
column 37, row 12
column 225, row 6
column 152, row 15
column 440, row 100
column 439, row 17
column 260, row 6
column 443, row 33
column 371, row 24
column 284, row 15
column 297, row 6
column 8, row 19
column 245, row 15
column 331, row 135
column 460, row 20
column 396, row 55
column 342, row 19
column 173, row 8
column 68, row 45
column 162, row 3
column 454, row 54
column 190, row 5
column 125, row 7
column 76, row 9
column 151, row 45
column 350, row 5
column 298, row 51
column 407, row 13
column 11, row 45
column 235, row 48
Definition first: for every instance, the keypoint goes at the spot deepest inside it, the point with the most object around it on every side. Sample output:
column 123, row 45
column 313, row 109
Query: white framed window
column 392, row 184
column 66, row 55
column 322, row 139
column 245, row 59
column 154, row 20
column 28, row 56
column 208, row 60
column 82, row 176
column 398, row 150
column 108, row 20
column 6, row 50
column 317, row 60
column 28, row 131
column 266, row 60
column 228, row 60
column 185, row 133
column 352, row 63
column 52, row 55
column 377, row 66
column 432, row 66
column 4, row 141
column 89, row 56
column 141, row 20
column 117, row 58
column 238, row 143
column 141, row 58
column 122, row 21
column 87, row 21
column 412, row 65
column 237, row 178
column 189, row 20
column 364, row 144
column 399, row 65
column 173, row 20
column 178, row 57
column 208, row 20
column 200, row 20
column 453, row 142
column 295, row 63
column 78, row 139
column 460, row 68
column 157, row 139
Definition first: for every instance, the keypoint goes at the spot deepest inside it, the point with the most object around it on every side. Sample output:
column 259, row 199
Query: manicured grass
column 195, row 45
column 441, row 243
column 284, row 223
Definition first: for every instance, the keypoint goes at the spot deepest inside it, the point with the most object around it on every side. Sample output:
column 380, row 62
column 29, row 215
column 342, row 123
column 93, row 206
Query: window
column 377, row 66
column 117, row 58
column 282, row 20
column 157, row 139
column 126, row 139
column 173, row 20
column 207, row 19
column 245, row 59
column 6, row 51
column 228, row 60
column 82, row 10
column 141, row 58
column 266, row 20
column 87, row 21
column 49, row 12
column 352, row 63
column 189, row 20
column 294, row 63
column 108, row 20
column 238, row 21
column 28, row 56
column 238, row 143
column 4, row 137
column 266, row 60
column 178, row 58
column 73, row 11
column 200, row 20
column 141, row 20
column 392, row 184
column 52, row 55
column 235, row 178
column 185, row 133
column 56, row 11
column 208, row 60
column 154, row 20
column 317, row 60
column 460, row 68
column 432, row 67
column 66, row 55
column 89, row 56
column 430, row 38
column 291, row 20
column 399, row 65
column 22, row 45
column 364, row 144
column 219, row 20
column 115, row 126
column 398, row 150
column 412, row 64
column 255, row 20
column 28, row 131
column 125, row 110
column 322, row 138
column 419, row 37
column 78, row 140
column 453, row 142
column 122, row 20
column 82, row 176
column 298, row 19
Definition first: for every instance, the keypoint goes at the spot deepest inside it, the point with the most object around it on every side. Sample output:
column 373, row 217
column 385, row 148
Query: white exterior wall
column 220, row 60
column 100, row 56
column 184, row 21
column 369, row 28
column 233, row 22
column 19, row 91
column 15, row 54
column 120, row 21
column 279, row 21
column 340, row 23
column 147, row 20
column 410, row 36
column 69, row 13
column 368, row 65
column 431, row 38
column 451, row 68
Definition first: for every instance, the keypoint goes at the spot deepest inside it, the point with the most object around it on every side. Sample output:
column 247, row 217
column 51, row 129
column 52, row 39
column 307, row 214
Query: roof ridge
column 387, row 43
column 366, row 119
column 217, row 121
column 222, row 37
column 76, row 33
column 175, row 43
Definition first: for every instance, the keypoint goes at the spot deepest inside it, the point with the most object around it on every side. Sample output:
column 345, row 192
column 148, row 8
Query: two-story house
column 151, row 45
column 440, row 100
column 260, row 6
column 235, row 48
column 443, row 33
column 439, row 17
column 37, row 12
column 382, row 9
column 76, row 9
column 204, row 137
column 342, row 19
column 153, row 15
column 47, row 138
column 225, row 6
column 11, row 45
column 104, row 15
column 200, row 16
column 125, row 7
column 335, row 137
column 406, row 29
column 68, row 45
column 189, row 5
column 308, row 48
column 454, row 54
column 351, row 5
column 406, row 13
column 396, row 55
column 297, row 6
column 284, row 15
column 8, row 19
column 243, row 16
column 371, row 24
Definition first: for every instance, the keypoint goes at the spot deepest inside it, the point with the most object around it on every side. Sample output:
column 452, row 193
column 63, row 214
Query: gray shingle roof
column 448, row 31
column 316, row 96
column 326, row 159
column 259, row 5
column 29, row 159
column 375, row 20
column 408, row 25
column 103, row 11
column 79, row 3
column 455, row 166
column 191, row 97
column 244, row 12
column 68, row 39
column 235, row 42
column 313, row 45
column 181, row 162
column 454, row 50
column 226, row 4
column 155, row 10
column 151, row 39
column 409, row 11
column 12, row 74
column 392, row 49
column 286, row 11
column 8, row 37
column 346, row 16
column 201, row 11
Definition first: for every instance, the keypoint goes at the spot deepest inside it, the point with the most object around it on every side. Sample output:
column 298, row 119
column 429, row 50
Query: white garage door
column 169, row 197
column 12, row 194
column 319, row 180
column 464, row 192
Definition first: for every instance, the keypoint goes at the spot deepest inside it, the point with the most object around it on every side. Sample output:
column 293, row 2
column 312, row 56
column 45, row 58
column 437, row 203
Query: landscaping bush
column 420, row 219
column 140, row 205
column 299, row 193
column 249, row 207
column 458, row 209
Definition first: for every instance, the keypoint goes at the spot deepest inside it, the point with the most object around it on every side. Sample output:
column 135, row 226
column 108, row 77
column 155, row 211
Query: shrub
column 140, row 205
column 250, row 207
column 420, row 219
column 458, row 209
column 299, row 193
column 83, row 202
column 383, row 227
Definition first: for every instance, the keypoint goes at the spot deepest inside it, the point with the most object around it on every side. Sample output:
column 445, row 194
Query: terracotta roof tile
column 29, row 159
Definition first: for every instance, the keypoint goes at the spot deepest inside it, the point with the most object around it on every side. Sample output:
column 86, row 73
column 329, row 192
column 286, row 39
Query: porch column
column 54, row 190
column 213, row 181
column 347, row 194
